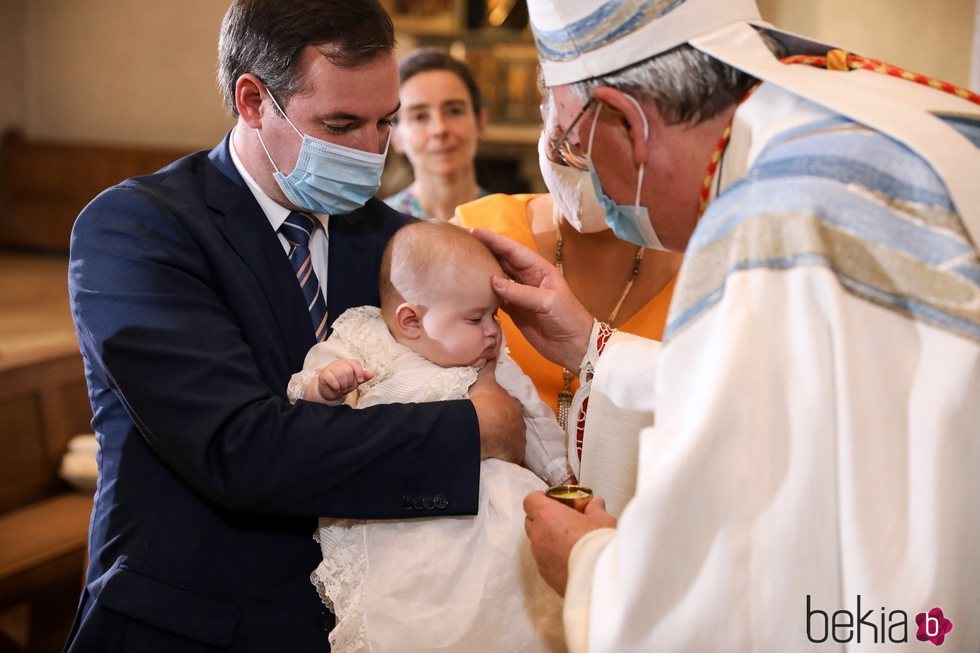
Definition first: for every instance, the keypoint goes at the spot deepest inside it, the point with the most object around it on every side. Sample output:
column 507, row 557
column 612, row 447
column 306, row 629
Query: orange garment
column 507, row 215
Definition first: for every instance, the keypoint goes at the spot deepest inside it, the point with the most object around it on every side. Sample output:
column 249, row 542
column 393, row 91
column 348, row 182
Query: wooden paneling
column 43, row 403
column 43, row 523
column 45, row 184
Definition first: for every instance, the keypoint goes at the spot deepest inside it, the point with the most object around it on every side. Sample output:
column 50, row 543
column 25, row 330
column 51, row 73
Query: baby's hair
column 420, row 253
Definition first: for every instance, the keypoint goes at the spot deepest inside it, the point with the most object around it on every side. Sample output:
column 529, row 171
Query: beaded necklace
column 565, row 396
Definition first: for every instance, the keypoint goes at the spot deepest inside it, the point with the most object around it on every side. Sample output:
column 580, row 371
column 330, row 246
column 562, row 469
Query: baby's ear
column 408, row 320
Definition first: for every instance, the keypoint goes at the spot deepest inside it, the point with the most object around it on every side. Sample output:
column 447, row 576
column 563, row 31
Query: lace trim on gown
column 339, row 580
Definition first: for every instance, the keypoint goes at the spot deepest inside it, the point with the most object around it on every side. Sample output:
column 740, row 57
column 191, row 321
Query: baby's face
column 459, row 324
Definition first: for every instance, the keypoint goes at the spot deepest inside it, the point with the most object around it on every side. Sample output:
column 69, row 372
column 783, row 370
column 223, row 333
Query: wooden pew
column 44, row 184
column 43, row 522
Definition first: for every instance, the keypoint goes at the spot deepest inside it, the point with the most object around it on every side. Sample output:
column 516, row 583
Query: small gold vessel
column 575, row 496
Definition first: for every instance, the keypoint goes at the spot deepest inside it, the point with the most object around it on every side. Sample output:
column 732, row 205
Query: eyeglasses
column 565, row 153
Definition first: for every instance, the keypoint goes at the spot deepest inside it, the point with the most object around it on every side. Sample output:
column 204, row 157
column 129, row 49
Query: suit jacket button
column 441, row 501
column 417, row 503
column 326, row 621
column 427, row 502
column 407, row 502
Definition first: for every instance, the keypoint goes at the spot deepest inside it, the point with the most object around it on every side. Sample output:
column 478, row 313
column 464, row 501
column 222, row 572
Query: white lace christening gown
column 443, row 583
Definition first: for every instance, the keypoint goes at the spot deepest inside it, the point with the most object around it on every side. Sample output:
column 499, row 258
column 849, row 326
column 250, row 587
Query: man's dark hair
column 430, row 58
column 267, row 37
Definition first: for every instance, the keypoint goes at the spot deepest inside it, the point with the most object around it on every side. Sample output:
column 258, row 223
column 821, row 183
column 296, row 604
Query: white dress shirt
column 276, row 213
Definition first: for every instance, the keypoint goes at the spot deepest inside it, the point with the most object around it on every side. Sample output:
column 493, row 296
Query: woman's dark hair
column 429, row 58
column 267, row 37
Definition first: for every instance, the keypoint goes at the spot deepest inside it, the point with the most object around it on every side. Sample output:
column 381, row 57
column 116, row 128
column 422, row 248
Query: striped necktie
column 297, row 230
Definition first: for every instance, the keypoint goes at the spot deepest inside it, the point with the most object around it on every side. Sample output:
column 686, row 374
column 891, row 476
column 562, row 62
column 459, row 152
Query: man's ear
column 408, row 319
column 634, row 117
column 248, row 99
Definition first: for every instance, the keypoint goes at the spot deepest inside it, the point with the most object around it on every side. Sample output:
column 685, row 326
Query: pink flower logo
column 933, row 626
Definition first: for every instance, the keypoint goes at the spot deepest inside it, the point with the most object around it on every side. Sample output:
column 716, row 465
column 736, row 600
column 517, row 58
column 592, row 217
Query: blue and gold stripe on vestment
column 838, row 195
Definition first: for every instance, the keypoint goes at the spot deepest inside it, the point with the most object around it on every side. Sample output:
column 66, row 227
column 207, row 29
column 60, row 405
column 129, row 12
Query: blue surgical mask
column 328, row 178
column 629, row 223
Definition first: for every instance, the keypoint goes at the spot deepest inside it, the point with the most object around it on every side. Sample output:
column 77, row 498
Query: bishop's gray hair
column 686, row 85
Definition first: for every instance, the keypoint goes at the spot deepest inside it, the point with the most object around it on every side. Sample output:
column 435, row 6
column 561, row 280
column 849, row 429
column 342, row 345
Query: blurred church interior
column 95, row 91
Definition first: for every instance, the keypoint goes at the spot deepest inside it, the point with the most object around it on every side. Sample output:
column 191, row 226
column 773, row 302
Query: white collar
column 275, row 212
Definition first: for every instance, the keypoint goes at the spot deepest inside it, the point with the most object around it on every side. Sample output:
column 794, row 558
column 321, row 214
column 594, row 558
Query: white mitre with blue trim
column 579, row 39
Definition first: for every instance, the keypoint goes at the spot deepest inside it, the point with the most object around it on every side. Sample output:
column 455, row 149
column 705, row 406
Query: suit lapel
column 246, row 228
column 352, row 274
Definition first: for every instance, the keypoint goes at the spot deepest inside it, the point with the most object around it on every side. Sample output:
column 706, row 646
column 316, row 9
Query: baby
column 447, row 583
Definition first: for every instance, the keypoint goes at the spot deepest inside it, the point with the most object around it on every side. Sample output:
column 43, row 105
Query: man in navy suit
column 191, row 319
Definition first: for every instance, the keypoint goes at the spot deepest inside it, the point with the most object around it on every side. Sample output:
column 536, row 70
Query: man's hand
column 501, row 417
column 554, row 528
column 540, row 302
column 340, row 378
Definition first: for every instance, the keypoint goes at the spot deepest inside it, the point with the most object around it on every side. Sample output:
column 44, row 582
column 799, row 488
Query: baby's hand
column 340, row 378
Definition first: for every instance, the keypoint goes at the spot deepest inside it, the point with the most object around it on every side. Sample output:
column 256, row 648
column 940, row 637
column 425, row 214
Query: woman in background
column 437, row 129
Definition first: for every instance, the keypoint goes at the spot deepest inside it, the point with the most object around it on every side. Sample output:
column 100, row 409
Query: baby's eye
column 474, row 320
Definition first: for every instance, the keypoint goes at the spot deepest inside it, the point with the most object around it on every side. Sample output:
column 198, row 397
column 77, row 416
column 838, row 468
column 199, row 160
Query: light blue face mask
column 328, row 178
column 629, row 223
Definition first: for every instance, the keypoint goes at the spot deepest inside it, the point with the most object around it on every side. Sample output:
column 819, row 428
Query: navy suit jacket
column 191, row 322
